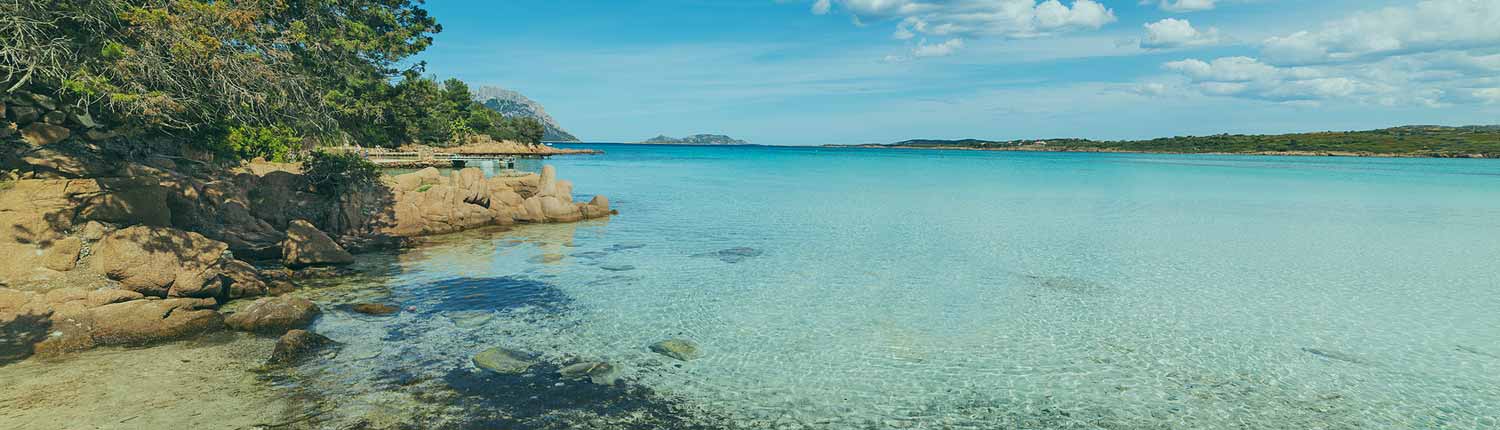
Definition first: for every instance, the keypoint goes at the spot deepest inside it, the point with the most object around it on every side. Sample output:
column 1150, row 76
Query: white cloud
column 974, row 18
column 1431, row 25
column 944, row 49
column 1437, row 52
column 1489, row 95
column 1177, row 33
column 821, row 7
column 1181, row 6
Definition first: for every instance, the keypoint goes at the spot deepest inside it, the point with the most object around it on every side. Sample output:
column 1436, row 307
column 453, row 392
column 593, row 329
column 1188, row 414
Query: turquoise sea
column 866, row 288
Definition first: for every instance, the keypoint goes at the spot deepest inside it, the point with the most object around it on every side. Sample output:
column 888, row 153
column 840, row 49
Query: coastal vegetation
column 1407, row 141
column 240, row 79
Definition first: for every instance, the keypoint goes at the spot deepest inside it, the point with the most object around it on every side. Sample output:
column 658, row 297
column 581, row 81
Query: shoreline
column 1121, row 151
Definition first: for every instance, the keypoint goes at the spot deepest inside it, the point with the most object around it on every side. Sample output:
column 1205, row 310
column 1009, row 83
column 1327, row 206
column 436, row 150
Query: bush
column 336, row 173
column 272, row 143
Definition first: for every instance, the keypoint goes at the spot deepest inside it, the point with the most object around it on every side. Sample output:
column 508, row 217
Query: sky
column 791, row 72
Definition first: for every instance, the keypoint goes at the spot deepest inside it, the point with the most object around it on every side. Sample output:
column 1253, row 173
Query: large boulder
column 24, row 321
column 547, row 184
column 598, row 207
column 127, row 201
column 305, row 245
column 564, row 191
column 557, row 210
column 244, row 279
column 63, row 254
column 274, row 315
column 162, row 262
column 140, row 322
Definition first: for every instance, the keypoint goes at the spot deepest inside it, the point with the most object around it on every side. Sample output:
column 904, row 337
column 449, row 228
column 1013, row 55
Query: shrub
column 272, row 143
column 336, row 173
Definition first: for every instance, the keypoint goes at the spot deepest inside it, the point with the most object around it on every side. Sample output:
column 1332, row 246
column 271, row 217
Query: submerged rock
column 1334, row 355
column 274, row 315
column 305, row 245
column 597, row 371
column 733, row 255
column 503, row 361
column 377, row 309
column 681, row 349
column 297, row 345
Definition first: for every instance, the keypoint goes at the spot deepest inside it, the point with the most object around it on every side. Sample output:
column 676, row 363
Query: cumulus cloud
column 944, row 49
column 1181, row 5
column 925, row 50
column 1177, row 33
column 1436, row 52
column 978, row 18
column 1431, row 25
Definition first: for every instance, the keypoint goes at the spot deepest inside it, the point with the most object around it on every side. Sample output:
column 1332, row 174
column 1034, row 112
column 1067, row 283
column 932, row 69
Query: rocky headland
column 105, row 244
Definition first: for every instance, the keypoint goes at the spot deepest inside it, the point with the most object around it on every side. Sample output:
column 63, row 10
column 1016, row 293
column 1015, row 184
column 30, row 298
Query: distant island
column 697, row 139
column 1406, row 141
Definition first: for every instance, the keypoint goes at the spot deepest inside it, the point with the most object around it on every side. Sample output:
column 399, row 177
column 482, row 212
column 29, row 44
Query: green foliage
column 1426, row 141
column 424, row 188
column 196, row 66
column 272, row 143
column 336, row 173
column 423, row 110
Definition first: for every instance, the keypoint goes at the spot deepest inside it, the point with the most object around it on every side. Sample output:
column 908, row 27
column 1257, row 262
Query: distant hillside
column 513, row 104
column 1407, row 141
column 697, row 139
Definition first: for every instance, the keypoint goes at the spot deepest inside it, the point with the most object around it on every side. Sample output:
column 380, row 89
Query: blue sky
column 788, row 72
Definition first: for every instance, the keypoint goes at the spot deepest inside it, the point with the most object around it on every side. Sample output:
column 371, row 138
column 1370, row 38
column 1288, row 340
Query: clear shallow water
column 953, row 289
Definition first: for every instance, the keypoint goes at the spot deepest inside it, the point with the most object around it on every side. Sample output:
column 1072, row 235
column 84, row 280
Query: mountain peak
column 514, row 104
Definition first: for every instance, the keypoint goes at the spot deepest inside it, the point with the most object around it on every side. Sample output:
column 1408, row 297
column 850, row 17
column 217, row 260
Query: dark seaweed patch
column 540, row 399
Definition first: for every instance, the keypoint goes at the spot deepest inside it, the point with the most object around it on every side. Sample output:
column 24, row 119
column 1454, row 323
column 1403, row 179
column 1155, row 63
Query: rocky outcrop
column 163, row 262
column 79, row 319
column 139, row 322
column 305, row 245
column 24, row 321
column 426, row 202
column 274, row 315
